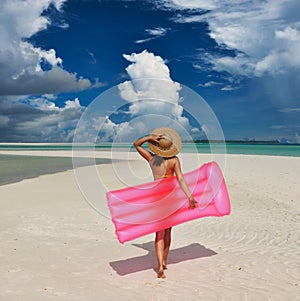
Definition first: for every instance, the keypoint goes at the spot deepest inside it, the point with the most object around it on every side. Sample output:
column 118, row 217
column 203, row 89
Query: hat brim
column 173, row 150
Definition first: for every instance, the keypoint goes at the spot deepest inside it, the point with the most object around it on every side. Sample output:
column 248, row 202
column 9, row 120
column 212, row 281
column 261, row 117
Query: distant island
column 282, row 141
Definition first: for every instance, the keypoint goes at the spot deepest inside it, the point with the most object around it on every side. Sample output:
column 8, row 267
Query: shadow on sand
column 148, row 261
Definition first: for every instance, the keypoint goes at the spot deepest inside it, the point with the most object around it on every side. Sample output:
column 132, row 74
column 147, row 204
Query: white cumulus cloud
column 264, row 34
column 21, row 69
column 52, row 123
column 156, row 82
column 153, row 100
column 38, row 119
column 151, row 90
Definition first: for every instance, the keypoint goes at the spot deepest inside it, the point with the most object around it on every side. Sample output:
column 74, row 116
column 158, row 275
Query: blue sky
column 57, row 56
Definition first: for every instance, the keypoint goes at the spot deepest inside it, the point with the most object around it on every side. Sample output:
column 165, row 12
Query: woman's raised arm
column 141, row 150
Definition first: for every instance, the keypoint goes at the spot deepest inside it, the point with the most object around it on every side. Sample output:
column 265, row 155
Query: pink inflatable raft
column 157, row 205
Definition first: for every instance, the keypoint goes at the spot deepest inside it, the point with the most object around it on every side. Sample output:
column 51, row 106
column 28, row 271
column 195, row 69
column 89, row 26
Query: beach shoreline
column 54, row 244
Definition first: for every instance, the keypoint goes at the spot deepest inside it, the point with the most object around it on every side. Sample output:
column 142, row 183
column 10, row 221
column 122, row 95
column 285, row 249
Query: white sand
column 55, row 246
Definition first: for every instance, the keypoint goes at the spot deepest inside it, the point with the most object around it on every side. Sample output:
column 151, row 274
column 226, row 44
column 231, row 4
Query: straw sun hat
column 168, row 145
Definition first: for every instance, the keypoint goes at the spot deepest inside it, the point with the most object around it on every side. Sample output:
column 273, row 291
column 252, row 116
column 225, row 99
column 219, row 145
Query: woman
column 165, row 144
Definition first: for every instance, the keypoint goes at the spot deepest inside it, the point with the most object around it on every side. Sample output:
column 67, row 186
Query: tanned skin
column 163, row 168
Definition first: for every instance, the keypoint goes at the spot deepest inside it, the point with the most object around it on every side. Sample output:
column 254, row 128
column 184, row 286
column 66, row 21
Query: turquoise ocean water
column 14, row 168
column 231, row 148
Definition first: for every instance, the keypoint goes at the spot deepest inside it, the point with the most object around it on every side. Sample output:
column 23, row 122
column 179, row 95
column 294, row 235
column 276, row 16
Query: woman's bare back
column 162, row 167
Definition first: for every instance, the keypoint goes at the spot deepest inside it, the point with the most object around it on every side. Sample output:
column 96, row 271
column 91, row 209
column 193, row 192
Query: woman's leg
column 167, row 243
column 159, row 248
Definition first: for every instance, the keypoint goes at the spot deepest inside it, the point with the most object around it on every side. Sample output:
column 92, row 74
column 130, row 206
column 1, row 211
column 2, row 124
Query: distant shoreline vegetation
column 270, row 142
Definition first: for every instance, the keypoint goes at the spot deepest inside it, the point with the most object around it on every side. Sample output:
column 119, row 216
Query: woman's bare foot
column 165, row 267
column 161, row 274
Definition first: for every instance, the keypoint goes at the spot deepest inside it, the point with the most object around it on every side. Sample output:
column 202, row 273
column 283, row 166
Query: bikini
column 166, row 175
